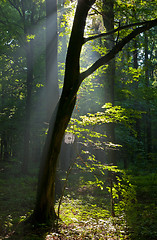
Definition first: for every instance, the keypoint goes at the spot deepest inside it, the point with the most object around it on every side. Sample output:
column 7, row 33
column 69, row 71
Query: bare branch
column 97, row 11
column 118, row 35
column 11, row 3
column 116, row 30
column 117, row 48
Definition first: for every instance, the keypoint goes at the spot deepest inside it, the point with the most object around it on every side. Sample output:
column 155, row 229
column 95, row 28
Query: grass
column 84, row 212
column 84, row 221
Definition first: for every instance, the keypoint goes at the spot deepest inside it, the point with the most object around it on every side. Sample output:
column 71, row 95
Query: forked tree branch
column 117, row 48
column 116, row 30
column 14, row 5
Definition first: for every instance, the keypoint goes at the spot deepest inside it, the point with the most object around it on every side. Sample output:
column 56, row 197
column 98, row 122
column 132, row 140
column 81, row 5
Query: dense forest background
column 107, row 169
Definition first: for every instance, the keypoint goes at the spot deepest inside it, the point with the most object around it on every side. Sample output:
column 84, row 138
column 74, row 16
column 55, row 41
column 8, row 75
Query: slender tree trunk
column 26, row 151
column 2, row 132
column 148, row 115
column 108, row 19
column 28, row 30
column 52, row 90
column 135, row 86
column 4, row 146
column 135, row 65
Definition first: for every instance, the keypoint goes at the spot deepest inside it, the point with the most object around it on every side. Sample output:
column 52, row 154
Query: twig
column 116, row 30
column 65, row 184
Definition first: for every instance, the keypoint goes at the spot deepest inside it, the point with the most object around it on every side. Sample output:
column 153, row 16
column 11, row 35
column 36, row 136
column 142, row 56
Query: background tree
column 21, row 21
column 51, row 56
column 108, row 20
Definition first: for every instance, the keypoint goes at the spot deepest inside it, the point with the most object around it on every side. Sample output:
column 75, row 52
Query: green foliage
column 112, row 114
column 30, row 37
column 132, row 74
column 123, row 191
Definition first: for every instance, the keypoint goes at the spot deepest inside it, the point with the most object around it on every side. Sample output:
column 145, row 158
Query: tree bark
column 29, row 81
column 44, row 208
column 109, row 77
column 148, row 115
column 29, row 48
column 52, row 90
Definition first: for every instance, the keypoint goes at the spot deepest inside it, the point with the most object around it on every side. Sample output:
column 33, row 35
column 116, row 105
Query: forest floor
column 84, row 212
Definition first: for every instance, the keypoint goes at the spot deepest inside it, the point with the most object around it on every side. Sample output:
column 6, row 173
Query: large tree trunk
column 44, row 208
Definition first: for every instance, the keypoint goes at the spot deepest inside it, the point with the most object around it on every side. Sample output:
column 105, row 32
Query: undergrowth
column 85, row 211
